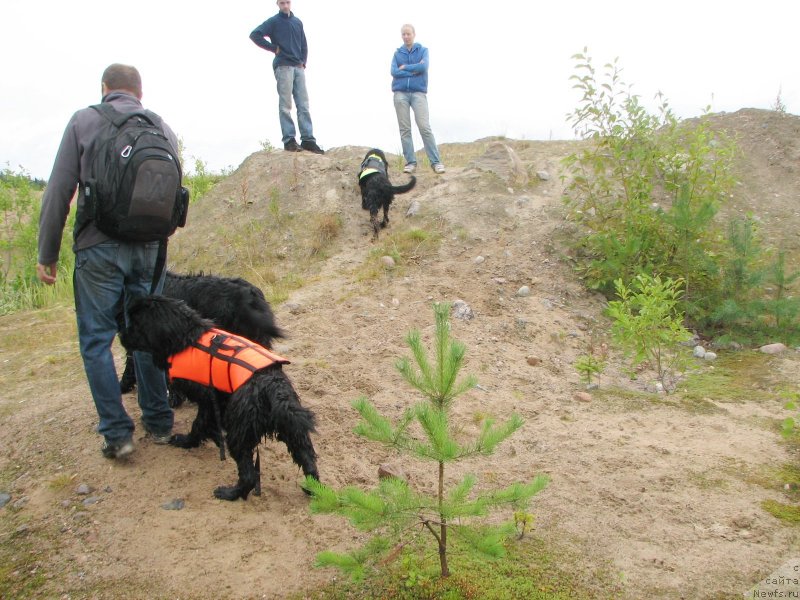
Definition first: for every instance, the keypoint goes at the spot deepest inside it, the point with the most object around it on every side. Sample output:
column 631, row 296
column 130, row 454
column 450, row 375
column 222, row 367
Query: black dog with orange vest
column 238, row 385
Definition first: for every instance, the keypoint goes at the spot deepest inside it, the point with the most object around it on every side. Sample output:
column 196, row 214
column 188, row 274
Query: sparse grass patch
column 60, row 482
column 22, row 568
column 21, row 338
column 734, row 377
column 788, row 513
column 624, row 399
column 324, row 229
column 406, row 247
column 532, row 569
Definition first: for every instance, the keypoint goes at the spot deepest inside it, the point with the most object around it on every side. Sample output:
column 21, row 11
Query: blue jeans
column 404, row 103
column 292, row 84
column 105, row 276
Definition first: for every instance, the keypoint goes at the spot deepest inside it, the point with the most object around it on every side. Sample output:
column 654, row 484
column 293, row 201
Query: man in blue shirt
column 410, row 87
column 288, row 41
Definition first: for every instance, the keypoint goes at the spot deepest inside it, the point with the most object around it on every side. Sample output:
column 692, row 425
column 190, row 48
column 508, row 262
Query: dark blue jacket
column 414, row 76
column 284, row 32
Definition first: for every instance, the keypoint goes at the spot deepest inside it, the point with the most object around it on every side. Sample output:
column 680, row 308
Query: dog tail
column 402, row 189
column 262, row 329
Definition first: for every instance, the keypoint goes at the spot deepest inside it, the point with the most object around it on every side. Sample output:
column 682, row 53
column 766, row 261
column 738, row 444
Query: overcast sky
column 497, row 68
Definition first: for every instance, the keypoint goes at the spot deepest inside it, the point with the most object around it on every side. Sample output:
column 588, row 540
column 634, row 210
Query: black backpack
column 134, row 191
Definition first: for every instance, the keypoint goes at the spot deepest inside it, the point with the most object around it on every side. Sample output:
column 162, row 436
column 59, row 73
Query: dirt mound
column 647, row 489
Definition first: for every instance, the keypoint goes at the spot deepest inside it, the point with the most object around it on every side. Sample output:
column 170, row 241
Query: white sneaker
column 438, row 168
column 409, row 168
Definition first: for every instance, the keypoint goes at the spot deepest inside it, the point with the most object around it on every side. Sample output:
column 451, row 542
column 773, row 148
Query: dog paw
column 183, row 441
column 306, row 491
column 230, row 493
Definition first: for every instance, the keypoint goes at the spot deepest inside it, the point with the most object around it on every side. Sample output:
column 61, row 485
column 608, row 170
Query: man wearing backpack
column 108, row 272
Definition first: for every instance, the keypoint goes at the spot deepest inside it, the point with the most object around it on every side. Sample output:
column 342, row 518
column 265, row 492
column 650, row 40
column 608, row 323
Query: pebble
column 583, row 396
column 699, row 352
column 388, row 262
column 84, row 489
column 776, row 348
column 524, row 291
column 4, row 499
column 176, row 504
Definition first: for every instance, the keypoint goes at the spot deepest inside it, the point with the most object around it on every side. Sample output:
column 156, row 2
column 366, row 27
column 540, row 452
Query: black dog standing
column 232, row 303
column 245, row 393
column 377, row 192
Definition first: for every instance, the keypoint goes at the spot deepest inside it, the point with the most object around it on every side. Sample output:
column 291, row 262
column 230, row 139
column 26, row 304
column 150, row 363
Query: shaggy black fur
column 266, row 406
column 377, row 192
column 233, row 304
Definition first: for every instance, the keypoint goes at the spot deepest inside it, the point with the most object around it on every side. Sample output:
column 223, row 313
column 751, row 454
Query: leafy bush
column 648, row 324
column 646, row 189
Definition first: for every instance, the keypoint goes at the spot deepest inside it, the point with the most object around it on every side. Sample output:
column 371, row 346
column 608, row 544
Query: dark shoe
column 162, row 439
column 117, row 449
column 291, row 146
column 312, row 147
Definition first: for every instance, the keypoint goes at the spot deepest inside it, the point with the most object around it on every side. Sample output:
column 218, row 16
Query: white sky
column 497, row 68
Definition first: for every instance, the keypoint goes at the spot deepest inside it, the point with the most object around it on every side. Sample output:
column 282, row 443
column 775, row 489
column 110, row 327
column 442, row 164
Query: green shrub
column 396, row 513
column 648, row 325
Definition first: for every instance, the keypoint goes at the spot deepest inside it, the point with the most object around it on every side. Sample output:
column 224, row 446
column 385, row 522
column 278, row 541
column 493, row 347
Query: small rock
column 386, row 470
column 18, row 504
column 543, row 175
column 710, row 356
column 699, row 352
column 583, row 396
column 176, row 504
column 91, row 500
column 462, row 310
column 293, row 307
column 776, row 348
column 478, row 260
column 533, row 360
column 81, row 516
column 395, row 302
column 524, row 291
column 388, row 262
column 413, row 210
column 4, row 499
column 84, row 489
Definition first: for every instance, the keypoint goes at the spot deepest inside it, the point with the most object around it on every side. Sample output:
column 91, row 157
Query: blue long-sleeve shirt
column 413, row 77
column 284, row 32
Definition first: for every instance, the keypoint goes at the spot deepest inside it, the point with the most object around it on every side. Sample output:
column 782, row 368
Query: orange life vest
column 222, row 360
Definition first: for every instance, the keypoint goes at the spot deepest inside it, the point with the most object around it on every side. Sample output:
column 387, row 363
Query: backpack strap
column 118, row 118
column 161, row 261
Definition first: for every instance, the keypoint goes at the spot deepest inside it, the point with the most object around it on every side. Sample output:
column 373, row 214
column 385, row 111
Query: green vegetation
column 397, row 514
column 788, row 513
column 648, row 326
column 590, row 365
column 531, row 570
column 20, row 204
column 647, row 192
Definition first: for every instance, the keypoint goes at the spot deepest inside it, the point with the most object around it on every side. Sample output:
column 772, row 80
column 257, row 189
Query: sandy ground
column 662, row 498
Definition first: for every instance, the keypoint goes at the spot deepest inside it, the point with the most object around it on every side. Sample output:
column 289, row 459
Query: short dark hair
column 123, row 77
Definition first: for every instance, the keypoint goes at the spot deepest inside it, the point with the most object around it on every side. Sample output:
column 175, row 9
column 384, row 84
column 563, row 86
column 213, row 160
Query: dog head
column 161, row 326
column 376, row 152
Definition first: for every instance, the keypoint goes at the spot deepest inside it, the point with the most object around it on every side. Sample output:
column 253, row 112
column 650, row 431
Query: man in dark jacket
column 108, row 273
column 288, row 41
